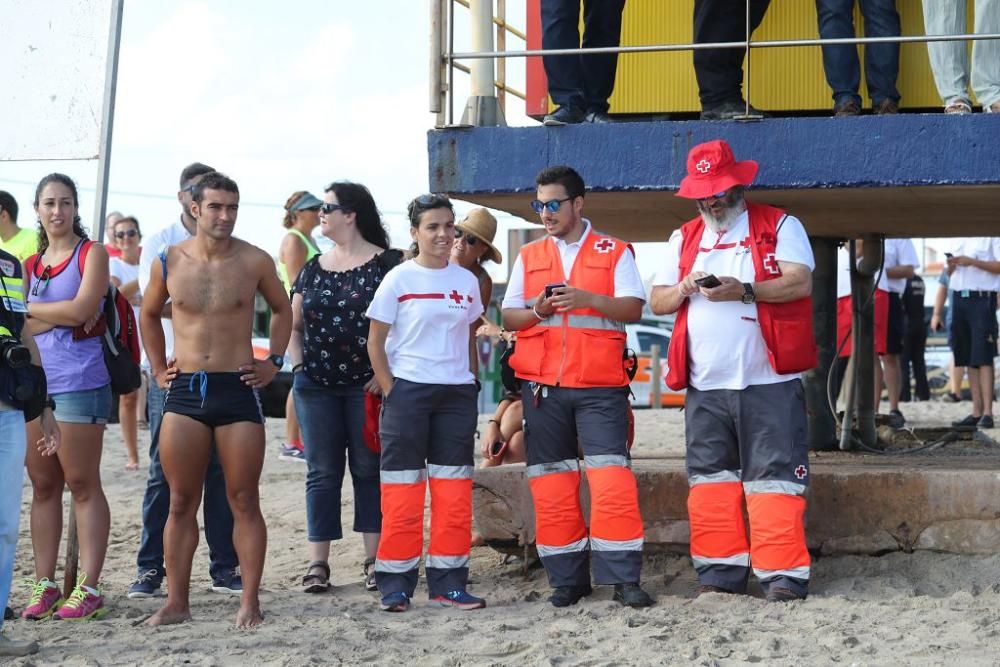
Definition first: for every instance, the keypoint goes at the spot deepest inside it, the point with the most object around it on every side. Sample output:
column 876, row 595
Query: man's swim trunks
column 214, row 399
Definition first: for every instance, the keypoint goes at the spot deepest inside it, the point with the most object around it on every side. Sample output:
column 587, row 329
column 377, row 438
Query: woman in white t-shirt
column 124, row 271
column 423, row 316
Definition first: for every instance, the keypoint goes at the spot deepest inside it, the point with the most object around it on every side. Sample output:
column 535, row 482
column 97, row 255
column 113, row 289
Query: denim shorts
column 87, row 406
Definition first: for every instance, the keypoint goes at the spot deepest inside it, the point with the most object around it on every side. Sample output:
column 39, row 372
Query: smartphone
column 707, row 281
column 550, row 289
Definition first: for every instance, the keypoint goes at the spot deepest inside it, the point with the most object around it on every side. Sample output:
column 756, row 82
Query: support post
column 822, row 431
column 107, row 120
column 482, row 108
column 655, row 378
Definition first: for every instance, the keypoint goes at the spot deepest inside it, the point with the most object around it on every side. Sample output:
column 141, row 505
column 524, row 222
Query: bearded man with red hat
column 739, row 277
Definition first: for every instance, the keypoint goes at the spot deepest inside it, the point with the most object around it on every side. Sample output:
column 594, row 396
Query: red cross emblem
column 704, row 166
column 745, row 242
column 771, row 264
column 455, row 296
column 604, row 246
column 801, row 472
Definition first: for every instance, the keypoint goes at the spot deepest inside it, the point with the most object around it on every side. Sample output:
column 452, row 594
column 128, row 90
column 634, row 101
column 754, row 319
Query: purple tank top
column 70, row 365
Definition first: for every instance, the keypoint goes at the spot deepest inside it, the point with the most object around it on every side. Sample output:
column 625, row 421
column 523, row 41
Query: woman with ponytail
column 297, row 248
column 66, row 283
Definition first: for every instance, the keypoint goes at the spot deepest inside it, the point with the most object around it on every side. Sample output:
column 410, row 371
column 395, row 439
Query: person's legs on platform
column 840, row 61
column 949, row 60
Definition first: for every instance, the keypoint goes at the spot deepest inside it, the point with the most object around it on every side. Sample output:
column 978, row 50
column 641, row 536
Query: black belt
column 976, row 293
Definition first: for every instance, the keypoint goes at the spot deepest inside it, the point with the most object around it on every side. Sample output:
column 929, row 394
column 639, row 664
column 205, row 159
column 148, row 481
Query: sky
column 279, row 100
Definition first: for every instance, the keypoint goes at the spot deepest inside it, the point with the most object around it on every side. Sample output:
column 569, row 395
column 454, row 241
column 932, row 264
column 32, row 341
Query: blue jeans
column 843, row 70
column 12, row 444
column 156, row 505
column 332, row 420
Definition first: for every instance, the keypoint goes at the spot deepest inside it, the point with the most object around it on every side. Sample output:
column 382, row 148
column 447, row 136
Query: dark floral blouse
column 335, row 336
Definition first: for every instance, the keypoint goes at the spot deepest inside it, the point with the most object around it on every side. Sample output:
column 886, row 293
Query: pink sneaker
column 84, row 604
column 45, row 599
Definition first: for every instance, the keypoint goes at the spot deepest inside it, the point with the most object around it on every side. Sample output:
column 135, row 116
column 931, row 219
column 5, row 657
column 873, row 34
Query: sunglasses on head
column 43, row 281
column 327, row 209
column 552, row 205
column 432, row 200
column 128, row 232
column 189, row 188
column 469, row 238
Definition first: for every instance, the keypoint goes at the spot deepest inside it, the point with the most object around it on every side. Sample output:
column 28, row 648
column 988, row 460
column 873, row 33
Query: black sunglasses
column 432, row 200
column 128, row 232
column 189, row 188
column 44, row 278
column 327, row 209
column 469, row 238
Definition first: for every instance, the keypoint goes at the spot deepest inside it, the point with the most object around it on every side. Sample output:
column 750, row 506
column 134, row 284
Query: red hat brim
column 700, row 187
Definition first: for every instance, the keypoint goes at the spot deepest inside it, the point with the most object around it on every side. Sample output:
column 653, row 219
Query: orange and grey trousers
column 747, row 464
column 427, row 433
column 557, row 422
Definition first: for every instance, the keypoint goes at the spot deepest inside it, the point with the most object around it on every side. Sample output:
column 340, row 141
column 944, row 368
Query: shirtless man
column 211, row 280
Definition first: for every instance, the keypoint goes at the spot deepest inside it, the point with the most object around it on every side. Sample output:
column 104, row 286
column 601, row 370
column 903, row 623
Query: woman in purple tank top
column 66, row 284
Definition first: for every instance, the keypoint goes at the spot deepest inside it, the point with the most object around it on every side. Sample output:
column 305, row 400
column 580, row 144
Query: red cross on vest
column 604, row 246
column 455, row 296
column 801, row 472
column 745, row 242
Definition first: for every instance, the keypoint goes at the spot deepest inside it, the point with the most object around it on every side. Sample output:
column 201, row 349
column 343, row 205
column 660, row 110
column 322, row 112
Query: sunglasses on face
column 717, row 195
column 327, row 209
column 189, row 188
column 43, row 281
column 552, row 205
column 469, row 238
column 128, row 232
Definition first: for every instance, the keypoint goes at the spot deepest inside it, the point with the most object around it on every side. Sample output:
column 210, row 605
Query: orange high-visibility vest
column 787, row 328
column 582, row 347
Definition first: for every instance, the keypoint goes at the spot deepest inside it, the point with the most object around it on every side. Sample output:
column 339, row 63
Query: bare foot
column 249, row 616
column 169, row 616
column 132, row 465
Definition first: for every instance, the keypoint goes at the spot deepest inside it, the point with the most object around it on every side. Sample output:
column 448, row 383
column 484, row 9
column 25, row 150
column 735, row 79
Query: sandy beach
column 923, row 608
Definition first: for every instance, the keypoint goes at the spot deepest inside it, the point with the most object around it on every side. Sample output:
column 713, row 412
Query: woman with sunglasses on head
column 297, row 248
column 422, row 317
column 68, row 279
column 124, row 271
column 332, row 374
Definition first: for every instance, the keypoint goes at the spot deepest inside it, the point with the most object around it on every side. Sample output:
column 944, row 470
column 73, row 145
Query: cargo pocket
column 600, row 360
column 529, row 351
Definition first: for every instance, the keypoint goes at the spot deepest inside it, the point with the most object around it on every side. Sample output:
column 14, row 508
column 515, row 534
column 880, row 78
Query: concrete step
column 856, row 504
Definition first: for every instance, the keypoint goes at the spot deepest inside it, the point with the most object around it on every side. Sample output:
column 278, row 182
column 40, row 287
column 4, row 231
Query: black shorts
column 974, row 328
column 214, row 399
column 896, row 328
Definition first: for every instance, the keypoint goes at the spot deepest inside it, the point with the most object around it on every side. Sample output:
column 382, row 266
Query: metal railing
column 444, row 57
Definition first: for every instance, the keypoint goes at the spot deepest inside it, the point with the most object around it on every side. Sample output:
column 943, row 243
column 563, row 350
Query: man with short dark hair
column 568, row 298
column 20, row 242
column 213, row 403
column 739, row 277
column 223, row 565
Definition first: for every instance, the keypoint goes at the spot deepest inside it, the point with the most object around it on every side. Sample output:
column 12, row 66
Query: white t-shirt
column 429, row 311
column 125, row 273
column 628, row 281
column 725, row 347
column 900, row 252
column 151, row 247
column 844, row 274
column 970, row 277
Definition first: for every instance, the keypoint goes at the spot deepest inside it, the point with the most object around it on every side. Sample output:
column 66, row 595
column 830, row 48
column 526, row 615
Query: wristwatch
column 748, row 294
column 50, row 403
column 277, row 360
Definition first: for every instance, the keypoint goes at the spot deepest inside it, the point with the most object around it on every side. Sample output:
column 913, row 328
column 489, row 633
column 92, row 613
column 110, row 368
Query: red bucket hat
column 712, row 169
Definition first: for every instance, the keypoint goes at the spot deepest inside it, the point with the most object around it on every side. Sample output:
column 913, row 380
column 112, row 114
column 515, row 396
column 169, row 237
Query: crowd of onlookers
column 580, row 86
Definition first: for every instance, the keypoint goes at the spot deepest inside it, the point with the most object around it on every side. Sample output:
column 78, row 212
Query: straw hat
column 480, row 223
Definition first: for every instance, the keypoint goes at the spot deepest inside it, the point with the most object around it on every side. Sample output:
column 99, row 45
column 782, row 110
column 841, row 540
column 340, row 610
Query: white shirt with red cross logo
column 725, row 347
column 430, row 312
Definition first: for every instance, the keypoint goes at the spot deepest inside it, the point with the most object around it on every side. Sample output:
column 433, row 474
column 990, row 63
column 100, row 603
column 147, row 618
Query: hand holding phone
column 550, row 289
column 708, row 281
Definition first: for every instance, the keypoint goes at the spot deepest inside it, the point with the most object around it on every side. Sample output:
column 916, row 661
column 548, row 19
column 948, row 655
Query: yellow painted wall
column 782, row 79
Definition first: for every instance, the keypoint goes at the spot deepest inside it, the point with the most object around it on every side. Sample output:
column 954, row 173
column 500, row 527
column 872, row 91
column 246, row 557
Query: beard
column 732, row 206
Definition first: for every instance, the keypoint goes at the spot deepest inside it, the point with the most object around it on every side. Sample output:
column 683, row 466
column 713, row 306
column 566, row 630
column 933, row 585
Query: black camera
column 13, row 352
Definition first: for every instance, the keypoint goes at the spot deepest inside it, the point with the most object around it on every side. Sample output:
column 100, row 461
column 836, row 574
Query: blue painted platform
column 905, row 175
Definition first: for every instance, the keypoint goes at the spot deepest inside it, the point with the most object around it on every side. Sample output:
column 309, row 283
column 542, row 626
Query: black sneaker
column 986, row 421
column 565, row 596
column 230, row 583
column 598, row 117
column 705, row 589
column 632, row 595
column 8, row 614
column 146, row 585
column 896, row 419
column 970, row 420
column 951, row 397
column 730, row 111
column 781, row 594
column 564, row 116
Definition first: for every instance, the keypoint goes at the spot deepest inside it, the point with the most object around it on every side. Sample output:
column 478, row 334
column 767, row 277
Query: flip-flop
column 316, row 583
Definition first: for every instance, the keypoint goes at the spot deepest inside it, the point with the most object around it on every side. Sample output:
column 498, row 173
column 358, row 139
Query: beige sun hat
column 480, row 223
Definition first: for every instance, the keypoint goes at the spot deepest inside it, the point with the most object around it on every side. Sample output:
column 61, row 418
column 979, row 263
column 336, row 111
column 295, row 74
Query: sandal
column 316, row 582
column 369, row 581
column 960, row 107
